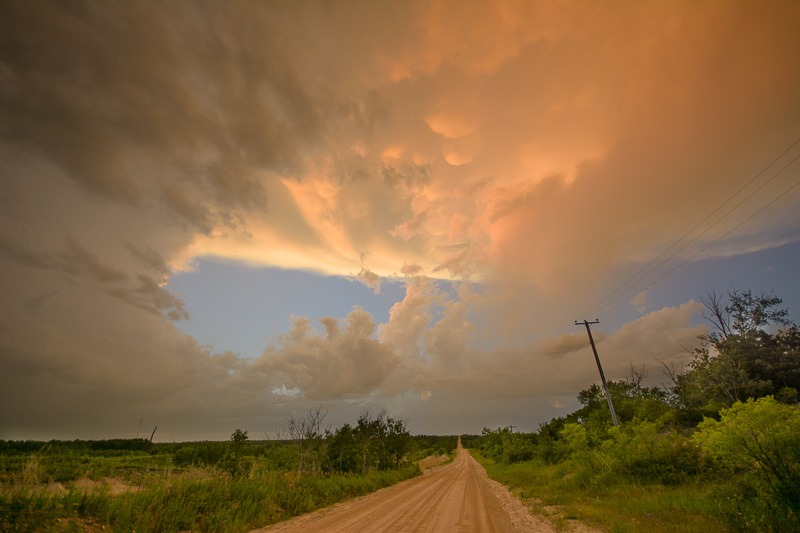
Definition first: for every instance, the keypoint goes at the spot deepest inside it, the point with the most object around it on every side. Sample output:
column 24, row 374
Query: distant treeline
column 375, row 442
column 27, row 446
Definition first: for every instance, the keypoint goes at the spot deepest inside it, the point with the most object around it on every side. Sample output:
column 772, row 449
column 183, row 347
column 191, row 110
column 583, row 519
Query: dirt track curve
column 455, row 497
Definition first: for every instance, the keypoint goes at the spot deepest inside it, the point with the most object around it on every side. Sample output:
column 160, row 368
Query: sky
column 215, row 216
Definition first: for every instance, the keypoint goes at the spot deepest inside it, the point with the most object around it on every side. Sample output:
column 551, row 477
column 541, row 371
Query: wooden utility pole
column 600, row 368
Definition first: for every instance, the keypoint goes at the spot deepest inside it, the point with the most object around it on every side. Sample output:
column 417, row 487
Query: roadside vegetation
column 135, row 485
column 714, row 449
column 717, row 449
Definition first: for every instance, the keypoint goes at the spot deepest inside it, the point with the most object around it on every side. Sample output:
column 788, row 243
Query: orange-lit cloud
column 534, row 153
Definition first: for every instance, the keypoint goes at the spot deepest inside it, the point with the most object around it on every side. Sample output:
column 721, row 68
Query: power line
column 646, row 270
column 715, row 241
column 564, row 366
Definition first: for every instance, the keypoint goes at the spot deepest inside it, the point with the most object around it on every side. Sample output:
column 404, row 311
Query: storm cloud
column 508, row 162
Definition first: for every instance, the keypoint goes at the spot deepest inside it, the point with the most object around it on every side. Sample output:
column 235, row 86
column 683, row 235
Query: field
column 135, row 485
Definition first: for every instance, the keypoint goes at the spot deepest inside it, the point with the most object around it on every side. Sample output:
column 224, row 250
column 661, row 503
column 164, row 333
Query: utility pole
column 600, row 368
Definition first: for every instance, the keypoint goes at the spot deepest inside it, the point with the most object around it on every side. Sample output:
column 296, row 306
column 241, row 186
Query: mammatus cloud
column 528, row 152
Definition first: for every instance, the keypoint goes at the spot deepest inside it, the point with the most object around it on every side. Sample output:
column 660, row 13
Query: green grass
column 619, row 507
column 66, row 466
column 169, row 499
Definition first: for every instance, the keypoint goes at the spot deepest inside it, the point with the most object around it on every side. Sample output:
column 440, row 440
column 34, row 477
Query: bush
column 757, row 443
column 518, row 448
column 648, row 453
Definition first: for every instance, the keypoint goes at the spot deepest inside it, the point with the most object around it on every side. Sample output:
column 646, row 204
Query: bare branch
column 635, row 376
column 716, row 313
column 670, row 371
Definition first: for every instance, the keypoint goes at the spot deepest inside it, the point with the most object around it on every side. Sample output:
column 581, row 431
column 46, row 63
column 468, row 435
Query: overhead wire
column 648, row 269
column 715, row 241
column 563, row 366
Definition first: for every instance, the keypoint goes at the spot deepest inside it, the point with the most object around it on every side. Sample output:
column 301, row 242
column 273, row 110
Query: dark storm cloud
column 148, row 295
column 149, row 258
column 13, row 250
column 125, row 131
column 78, row 260
column 74, row 259
column 139, row 102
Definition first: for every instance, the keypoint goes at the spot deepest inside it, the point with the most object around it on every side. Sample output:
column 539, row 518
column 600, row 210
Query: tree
column 376, row 442
column 342, row 450
column 238, row 440
column 743, row 314
column 382, row 441
column 743, row 357
column 631, row 400
column 307, row 433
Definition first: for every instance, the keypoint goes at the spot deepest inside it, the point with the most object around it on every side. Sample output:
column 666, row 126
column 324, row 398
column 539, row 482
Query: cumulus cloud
column 346, row 362
column 447, row 340
column 410, row 317
column 662, row 335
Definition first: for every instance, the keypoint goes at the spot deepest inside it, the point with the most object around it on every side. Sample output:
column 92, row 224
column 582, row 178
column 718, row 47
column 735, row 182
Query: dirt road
column 455, row 497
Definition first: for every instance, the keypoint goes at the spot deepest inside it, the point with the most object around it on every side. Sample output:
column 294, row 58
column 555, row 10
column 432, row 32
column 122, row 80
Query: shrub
column 649, row 454
column 757, row 441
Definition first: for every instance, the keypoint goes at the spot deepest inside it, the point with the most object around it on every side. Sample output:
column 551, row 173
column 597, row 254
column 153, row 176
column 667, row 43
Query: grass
column 63, row 466
column 558, row 493
column 164, row 498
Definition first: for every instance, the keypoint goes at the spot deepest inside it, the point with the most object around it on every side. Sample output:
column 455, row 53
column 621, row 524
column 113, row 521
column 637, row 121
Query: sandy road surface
column 455, row 497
